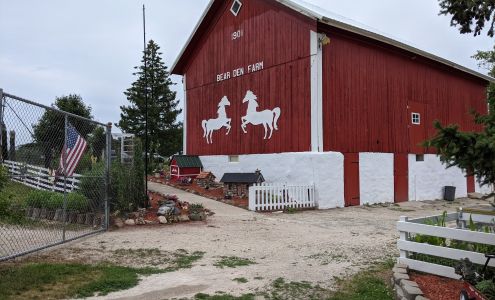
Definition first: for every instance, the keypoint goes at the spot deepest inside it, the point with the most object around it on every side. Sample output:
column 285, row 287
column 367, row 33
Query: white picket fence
column 407, row 227
column 40, row 178
column 276, row 197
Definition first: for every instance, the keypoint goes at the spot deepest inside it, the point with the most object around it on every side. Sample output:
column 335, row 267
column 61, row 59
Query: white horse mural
column 215, row 124
column 267, row 118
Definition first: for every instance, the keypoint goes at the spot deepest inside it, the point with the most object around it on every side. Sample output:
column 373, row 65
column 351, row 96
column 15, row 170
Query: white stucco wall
column 486, row 189
column 325, row 170
column 427, row 179
column 376, row 177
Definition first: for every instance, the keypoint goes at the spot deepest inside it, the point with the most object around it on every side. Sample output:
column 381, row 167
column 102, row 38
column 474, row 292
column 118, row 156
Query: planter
column 89, row 219
column 36, row 213
column 43, row 213
column 81, row 218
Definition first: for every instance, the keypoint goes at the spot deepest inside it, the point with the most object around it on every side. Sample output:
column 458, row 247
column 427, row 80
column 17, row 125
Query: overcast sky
column 55, row 47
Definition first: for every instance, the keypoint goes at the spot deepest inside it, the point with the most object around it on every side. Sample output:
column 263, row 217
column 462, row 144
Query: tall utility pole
column 146, row 145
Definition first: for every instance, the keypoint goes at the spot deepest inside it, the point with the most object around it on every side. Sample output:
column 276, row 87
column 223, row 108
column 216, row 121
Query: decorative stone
column 402, row 266
column 162, row 220
column 36, row 213
column 140, row 221
column 421, row 298
column 50, row 215
column 81, row 218
column 184, row 218
column 399, row 270
column 410, row 292
column 399, row 276
column 475, row 196
column 408, row 282
column 118, row 222
column 43, row 213
column 89, row 219
column 59, row 215
column 130, row 222
column 399, row 292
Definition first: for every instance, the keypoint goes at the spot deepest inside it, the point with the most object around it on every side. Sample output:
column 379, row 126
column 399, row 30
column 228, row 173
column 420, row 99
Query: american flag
column 74, row 147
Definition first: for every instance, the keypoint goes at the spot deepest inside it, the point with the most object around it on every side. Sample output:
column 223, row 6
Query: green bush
column 39, row 198
column 92, row 186
column 3, row 178
column 56, row 201
column 77, row 202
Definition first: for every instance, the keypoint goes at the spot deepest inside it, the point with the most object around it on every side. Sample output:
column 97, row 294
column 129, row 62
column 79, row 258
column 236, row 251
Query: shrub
column 56, row 201
column 92, row 186
column 39, row 198
column 3, row 178
column 77, row 202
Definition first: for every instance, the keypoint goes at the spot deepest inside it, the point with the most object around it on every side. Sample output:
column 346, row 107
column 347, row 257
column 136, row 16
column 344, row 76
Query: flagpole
column 146, row 145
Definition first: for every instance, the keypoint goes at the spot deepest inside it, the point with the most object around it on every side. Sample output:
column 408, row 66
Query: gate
column 54, row 176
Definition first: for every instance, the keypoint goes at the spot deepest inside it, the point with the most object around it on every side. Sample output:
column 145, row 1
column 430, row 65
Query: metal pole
column 146, row 145
column 108, row 164
column 64, row 169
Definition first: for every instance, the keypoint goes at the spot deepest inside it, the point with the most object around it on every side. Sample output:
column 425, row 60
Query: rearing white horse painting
column 215, row 124
column 267, row 118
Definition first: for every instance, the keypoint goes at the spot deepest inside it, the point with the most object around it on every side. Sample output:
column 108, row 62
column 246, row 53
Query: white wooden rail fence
column 406, row 227
column 275, row 197
column 39, row 178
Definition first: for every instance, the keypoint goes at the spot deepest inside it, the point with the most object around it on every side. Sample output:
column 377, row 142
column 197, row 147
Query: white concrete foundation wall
column 376, row 178
column 325, row 170
column 427, row 179
column 486, row 189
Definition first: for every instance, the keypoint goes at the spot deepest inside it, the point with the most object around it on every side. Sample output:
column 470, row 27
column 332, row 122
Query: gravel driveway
column 314, row 246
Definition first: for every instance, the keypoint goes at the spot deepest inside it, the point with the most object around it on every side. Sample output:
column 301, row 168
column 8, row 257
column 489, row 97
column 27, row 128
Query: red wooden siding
column 367, row 87
column 417, row 132
column 351, row 179
column 401, row 178
column 274, row 35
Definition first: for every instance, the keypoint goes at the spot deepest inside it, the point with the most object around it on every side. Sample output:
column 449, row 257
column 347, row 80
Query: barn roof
column 187, row 161
column 255, row 177
column 323, row 16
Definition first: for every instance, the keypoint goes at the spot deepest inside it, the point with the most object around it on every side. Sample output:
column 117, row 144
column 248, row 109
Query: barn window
column 233, row 158
column 416, row 118
column 420, row 157
column 236, row 7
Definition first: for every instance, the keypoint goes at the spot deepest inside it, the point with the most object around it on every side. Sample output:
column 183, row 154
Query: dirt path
column 314, row 246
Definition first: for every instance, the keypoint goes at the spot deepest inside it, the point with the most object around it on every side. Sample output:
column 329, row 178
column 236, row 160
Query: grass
column 180, row 259
column 202, row 296
column 12, row 201
column 240, row 279
column 233, row 262
column 59, row 281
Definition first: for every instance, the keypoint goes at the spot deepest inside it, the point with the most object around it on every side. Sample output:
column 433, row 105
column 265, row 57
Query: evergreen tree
column 466, row 12
column 163, row 127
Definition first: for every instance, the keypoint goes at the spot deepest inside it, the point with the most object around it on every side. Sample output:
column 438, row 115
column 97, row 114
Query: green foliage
column 49, row 133
column 163, row 130
column 13, row 200
column 61, row 281
column 128, row 185
column 487, row 288
column 97, row 142
column 3, row 178
column 92, row 185
column 40, row 199
column 202, row 296
column 233, row 262
column 77, row 202
column 466, row 12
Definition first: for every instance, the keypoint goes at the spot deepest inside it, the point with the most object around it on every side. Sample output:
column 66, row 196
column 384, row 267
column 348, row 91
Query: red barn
column 185, row 166
column 307, row 97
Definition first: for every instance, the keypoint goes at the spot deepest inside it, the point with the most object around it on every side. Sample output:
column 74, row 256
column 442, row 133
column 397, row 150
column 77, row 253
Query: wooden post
column 403, row 236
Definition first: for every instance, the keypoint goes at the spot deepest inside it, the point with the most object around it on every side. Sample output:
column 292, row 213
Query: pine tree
column 154, row 80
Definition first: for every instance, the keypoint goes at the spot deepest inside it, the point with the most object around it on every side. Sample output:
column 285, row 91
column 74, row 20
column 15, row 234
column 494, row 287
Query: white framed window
column 416, row 118
column 233, row 158
column 236, row 7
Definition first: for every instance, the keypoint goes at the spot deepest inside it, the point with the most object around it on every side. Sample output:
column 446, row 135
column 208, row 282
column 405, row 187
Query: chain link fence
column 55, row 170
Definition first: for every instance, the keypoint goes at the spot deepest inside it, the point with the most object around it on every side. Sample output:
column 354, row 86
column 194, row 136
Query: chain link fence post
column 2, row 125
column 108, row 165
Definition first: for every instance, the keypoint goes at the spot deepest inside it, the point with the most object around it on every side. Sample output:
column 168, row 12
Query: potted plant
column 197, row 212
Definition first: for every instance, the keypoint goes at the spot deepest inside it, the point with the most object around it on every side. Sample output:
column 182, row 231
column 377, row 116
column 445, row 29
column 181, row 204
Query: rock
column 184, row 218
column 475, row 196
column 118, row 222
column 421, row 298
column 140, row 221
column 164, row 210
column 149, row 222
column 402, row 266
column 410, row 292
column 399, row 276
column 399, row 270
column 130, row 222
column 162, row 220
column 399, row 292
column 408, row 282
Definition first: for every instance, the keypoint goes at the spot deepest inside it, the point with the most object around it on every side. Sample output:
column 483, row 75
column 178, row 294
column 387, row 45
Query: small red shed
column 185, row 166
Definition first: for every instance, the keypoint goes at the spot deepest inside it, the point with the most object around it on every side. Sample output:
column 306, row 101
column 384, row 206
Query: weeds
column 233, row 262
column 240, row 279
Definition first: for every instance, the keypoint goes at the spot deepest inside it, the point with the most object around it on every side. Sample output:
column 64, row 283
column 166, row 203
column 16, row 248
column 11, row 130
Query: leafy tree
column 97, row 141
column 466, row 12
column 163, row 128
column 50, row 130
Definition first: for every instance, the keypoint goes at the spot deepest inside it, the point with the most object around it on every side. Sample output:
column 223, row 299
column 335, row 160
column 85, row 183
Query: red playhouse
column 185, row 166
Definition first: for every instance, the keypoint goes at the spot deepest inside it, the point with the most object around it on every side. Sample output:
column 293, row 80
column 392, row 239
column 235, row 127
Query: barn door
column 417, row 128
column 401, row 179
column 351, row 179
